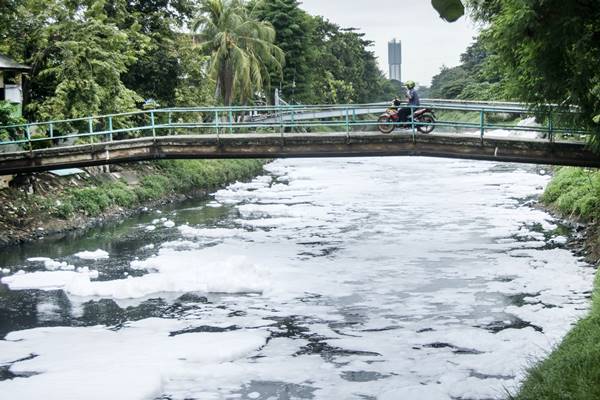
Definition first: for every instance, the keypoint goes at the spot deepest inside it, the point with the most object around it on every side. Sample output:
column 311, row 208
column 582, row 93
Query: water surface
column 380, row 278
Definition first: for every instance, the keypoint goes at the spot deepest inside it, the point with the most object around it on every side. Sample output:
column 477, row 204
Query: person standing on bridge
column 413, row 100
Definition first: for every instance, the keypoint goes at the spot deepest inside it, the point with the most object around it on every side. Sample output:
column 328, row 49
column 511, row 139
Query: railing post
column 28, row 133
column 293, row 124
column 482, row 124
column 550, row 128
column 412, row 122
column 230, row 117
column 347, row 123
column 110, row 129
column 51, row 126
column 91, row 129
column 280, row 120
column 170, row 121
column 152, row 123
column 217, row 122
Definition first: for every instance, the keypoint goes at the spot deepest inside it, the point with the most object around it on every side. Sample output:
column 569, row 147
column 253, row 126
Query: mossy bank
column 572, row 370
column 44, row 204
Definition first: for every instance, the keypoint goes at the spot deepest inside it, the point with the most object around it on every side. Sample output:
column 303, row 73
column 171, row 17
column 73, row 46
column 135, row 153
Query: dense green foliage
column 8, row 116
column 294, row 35
column 475, row 78
column 108, row 56
column 241, row 48
column 103, row 56
column 575, row 192
column 548, row 51
column 324, row 62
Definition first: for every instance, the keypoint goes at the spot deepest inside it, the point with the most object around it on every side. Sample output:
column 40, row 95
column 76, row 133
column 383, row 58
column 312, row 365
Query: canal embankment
column 572, row 370
column 45, row 204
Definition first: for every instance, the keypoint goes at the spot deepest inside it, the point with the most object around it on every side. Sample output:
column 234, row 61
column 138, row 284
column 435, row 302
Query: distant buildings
column 10, row 82
column 395, row 59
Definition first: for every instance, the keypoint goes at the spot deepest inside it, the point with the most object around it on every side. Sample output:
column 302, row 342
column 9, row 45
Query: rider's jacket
column 413, row 97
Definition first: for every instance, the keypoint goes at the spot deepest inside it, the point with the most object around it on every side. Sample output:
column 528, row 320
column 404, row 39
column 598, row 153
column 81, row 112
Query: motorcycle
column 389, row 120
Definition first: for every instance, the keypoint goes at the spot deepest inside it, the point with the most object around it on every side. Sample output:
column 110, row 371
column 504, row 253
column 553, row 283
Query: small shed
column 11, row 89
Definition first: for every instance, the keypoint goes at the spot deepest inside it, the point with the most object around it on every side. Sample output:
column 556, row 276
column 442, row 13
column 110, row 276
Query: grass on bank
column 172, row 176
column 574, row 192
column 572, row 370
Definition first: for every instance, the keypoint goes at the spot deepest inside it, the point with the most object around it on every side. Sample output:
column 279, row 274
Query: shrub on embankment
column 171, row 177
column 575, row 193
column 572, row 370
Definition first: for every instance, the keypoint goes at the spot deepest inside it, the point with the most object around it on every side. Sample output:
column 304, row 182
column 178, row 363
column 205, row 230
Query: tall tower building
column 395, row 59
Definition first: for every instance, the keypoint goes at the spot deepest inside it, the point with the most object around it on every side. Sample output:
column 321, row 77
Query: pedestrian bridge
column 479, row 131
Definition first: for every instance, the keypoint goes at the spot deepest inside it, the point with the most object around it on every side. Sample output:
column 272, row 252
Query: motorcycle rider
column 413, row 100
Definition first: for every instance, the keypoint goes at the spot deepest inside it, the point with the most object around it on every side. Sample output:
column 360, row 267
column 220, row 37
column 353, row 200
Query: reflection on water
column 366, row 279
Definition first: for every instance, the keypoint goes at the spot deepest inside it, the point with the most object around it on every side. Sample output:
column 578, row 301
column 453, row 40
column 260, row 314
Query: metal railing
column 347, row 118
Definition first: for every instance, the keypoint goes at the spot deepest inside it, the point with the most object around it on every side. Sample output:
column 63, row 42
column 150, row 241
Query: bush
column 39, row 144
column 575, row 192
column 121, row 195
column 91, row 201
column 178, row 175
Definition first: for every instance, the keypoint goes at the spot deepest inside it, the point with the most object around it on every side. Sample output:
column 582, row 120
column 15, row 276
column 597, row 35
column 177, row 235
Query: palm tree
column 240, row 47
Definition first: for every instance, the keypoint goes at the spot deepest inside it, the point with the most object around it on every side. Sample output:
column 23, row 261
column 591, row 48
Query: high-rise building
column 395, row 59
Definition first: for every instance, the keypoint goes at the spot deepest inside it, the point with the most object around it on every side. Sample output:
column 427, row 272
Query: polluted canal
column 381, row 278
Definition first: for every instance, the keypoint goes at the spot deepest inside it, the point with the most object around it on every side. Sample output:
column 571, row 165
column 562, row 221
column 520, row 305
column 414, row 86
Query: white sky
column 428, row 42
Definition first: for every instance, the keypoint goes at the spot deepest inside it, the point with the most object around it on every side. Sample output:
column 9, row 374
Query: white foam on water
column 93, row 255
column 209, row 233
column 88, row 368
column 52, row 265
column 48, row 280
column 170, row 271
column 528, row 122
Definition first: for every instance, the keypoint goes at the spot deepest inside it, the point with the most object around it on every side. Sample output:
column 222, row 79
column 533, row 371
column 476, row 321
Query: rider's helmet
column 410, row 84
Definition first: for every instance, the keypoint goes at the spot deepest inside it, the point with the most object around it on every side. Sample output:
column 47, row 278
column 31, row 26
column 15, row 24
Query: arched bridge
column 480, row 131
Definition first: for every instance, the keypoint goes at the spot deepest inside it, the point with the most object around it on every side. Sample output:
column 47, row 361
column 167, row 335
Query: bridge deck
column 271, row 145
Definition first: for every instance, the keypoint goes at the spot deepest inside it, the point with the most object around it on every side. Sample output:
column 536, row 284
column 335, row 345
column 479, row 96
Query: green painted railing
column 277, row 120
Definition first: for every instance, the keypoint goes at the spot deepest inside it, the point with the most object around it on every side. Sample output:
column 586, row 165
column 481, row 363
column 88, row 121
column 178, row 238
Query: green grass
column 572, row 370
column 473, row 117
column 575, row 192
column 172, row 176
column 458, row 116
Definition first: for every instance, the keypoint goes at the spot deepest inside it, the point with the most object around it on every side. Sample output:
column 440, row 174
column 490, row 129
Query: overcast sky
column 428, row 42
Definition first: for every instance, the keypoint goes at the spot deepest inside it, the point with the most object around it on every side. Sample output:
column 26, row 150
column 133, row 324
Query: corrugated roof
column 8, row 64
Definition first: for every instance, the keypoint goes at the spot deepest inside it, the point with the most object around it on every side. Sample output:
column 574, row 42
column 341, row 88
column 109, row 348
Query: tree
column 84, row 56
column 159, row 24
column 345, row 54
column 548, row 52
column 294, row 36
column 194, row 86
column 476, row 78
column 241, row 49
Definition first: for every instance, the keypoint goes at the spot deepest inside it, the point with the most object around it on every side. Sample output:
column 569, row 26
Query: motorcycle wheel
column 426, row 119
column 385, row 124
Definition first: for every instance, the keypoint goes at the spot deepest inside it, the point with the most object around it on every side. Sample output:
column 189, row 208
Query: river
column 380, row 278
